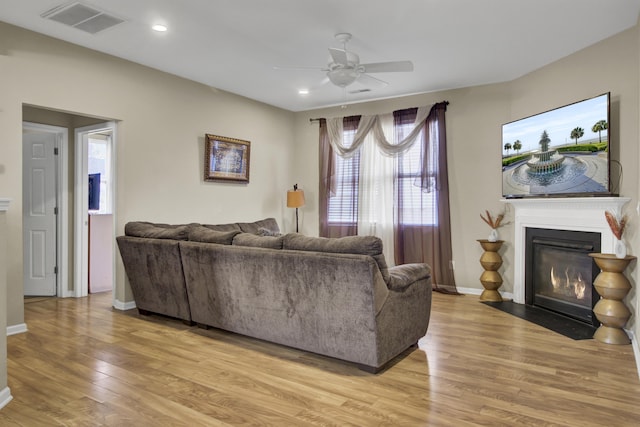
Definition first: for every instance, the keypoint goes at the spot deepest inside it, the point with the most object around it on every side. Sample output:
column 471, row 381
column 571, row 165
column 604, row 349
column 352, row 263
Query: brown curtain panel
column 430, row 244
column 331, row 187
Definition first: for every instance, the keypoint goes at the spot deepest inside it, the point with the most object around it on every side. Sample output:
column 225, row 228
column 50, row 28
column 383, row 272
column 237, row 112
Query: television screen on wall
column 561, row 152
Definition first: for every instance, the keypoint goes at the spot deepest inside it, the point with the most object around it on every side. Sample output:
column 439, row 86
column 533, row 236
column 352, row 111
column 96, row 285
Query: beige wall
column 474, row 119
column 161, row 120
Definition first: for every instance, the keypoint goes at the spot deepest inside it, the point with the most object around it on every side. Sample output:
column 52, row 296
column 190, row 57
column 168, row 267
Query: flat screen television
column 562, row 152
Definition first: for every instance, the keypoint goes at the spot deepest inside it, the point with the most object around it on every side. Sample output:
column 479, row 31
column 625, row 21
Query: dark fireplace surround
column 559, row 273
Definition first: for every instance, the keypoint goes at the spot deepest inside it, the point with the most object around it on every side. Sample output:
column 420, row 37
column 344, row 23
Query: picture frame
column 226, row 159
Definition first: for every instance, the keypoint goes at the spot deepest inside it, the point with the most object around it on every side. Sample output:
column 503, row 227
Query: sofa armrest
column 404, row 275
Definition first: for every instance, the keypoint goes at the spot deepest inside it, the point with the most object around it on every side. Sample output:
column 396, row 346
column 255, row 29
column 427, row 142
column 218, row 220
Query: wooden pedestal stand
column 612, row 286
column 491, row 262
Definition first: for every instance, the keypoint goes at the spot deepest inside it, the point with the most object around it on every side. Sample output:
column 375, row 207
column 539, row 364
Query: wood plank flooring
column 83, row 363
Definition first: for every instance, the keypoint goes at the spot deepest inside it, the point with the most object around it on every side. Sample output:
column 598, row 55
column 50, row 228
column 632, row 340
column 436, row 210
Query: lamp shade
column 295, row 198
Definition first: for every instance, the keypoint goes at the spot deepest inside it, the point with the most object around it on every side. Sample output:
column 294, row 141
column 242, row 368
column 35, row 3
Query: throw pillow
column 362, row 245
column 206, row 235
column 266, row 232
column 156, row 231
column 253, row 240
column 222, row 227
column 252, row 227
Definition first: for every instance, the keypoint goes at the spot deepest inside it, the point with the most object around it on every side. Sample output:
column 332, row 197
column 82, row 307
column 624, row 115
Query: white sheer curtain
column 375, row 203
column 375, row 192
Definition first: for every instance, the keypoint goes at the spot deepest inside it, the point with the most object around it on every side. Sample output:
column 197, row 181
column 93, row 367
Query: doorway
column 61, row 128
column 94, row 202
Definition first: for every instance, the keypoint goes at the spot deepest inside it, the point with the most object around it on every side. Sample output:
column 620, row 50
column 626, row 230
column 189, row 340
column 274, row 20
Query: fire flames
column 565, row 284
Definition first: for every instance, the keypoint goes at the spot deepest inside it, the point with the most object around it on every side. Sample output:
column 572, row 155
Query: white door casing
column 81, row 201
column 39, row 210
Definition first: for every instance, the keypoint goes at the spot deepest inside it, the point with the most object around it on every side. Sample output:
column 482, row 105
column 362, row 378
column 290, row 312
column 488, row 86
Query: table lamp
column 295, row 199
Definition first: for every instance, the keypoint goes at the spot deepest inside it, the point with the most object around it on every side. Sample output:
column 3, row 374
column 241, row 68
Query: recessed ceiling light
column 159, row 28
column 303, row 92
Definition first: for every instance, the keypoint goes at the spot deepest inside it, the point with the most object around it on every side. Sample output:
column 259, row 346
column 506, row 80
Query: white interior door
column 39, row 212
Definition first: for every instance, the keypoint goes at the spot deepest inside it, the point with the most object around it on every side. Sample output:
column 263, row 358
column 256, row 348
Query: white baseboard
column 470, row 291
column 636, row 349
column 477, row 291
column 5, row 397
column 119, row 305
column 17, row 329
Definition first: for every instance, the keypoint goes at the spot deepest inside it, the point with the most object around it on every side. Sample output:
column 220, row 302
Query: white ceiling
column 234, row 45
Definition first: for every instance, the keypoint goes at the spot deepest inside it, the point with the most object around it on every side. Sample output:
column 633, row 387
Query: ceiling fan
column 344, row 67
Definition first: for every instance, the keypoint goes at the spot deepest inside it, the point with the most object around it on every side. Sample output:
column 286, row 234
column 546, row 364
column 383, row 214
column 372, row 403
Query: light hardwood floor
column 84, row 364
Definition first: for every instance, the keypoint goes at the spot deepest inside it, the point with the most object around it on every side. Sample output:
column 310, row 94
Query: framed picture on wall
column 226, row 159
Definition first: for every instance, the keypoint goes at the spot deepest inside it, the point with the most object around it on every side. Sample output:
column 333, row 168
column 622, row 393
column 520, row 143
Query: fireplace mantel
column 579, row 214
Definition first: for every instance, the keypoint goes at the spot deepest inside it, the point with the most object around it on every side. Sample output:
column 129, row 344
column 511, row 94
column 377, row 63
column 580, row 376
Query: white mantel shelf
column 590, row 203
column 575, row 214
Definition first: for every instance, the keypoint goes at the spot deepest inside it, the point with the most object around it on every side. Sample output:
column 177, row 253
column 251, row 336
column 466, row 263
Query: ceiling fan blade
column 300, row 68
column 339, row 56
column 367, row 80
column 388, row 67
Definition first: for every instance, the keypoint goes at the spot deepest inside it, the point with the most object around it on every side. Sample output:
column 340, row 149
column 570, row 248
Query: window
column 343, row 206
column 417, row 207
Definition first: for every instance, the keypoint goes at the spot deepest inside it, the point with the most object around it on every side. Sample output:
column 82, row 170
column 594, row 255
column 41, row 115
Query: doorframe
column 81, row 208
column 62, row 197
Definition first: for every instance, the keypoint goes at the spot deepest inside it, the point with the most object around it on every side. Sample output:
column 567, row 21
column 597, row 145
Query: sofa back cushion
column 258, row 241
column 156, row 231
column 361, row 245
column 269, row 224
column 199, row 233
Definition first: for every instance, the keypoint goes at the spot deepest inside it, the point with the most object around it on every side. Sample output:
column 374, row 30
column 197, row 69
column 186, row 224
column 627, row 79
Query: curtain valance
column 373, row 124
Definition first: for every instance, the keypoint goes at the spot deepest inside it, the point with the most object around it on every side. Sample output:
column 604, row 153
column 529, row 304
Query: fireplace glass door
column 560, row 273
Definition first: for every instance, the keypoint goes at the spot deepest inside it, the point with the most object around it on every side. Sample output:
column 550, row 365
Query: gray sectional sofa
column 334, row 297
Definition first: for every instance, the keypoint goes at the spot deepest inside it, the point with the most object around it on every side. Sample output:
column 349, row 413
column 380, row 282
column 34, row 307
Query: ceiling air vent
column 83, row 17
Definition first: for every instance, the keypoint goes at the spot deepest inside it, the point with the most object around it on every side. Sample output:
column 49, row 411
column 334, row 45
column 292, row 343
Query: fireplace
column 559, row 273
column 575, row 214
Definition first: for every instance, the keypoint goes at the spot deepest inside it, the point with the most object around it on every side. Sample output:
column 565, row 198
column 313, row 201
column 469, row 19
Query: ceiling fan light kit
column 343, row 77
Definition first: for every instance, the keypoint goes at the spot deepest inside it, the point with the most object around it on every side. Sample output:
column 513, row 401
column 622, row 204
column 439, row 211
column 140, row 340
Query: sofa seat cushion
column 269, row 224
column 156, row 231
column 258, row 241
column 199, row 233
column 360, row 245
